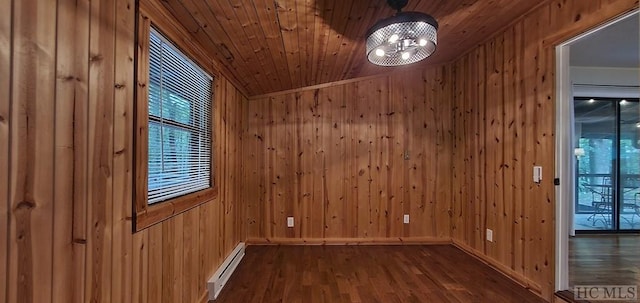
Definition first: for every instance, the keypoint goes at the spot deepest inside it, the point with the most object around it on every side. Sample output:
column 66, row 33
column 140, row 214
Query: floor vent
column 220, row 278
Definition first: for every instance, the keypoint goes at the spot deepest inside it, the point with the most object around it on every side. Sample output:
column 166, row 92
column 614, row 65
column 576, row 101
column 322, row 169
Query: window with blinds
column 180, row 96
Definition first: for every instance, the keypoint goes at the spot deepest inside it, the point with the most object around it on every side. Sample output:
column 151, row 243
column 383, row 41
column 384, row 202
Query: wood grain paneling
column 31, row 146
column 504, row 120
column 124, row 84
column 5, row 119
column 79, row 76
column 348, row 161
column 66, row 163
column 66, row 95
column 270, row 46
column 100, row 147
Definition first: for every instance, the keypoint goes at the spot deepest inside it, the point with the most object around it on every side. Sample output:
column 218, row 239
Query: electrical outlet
column 489, row 235
column 406, row 219
column 289, row 221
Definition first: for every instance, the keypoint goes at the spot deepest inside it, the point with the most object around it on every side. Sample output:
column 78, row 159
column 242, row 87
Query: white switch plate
column 537, row 174
column 489, row 235
column 289, row 221
column 406, row 219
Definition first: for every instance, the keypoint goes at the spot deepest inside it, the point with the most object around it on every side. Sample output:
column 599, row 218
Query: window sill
column 156, row 213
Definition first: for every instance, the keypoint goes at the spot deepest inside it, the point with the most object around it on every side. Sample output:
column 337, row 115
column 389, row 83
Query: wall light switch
column 537, row 174
column 489, row 235
column 289, row 221
column 406, row 219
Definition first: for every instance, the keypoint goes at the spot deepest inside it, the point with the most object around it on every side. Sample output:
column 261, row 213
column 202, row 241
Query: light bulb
column 638, row 125
column 422, row 42
column 379, row 52
column 405, row 55
column 623, row 102
column 394, row 38
column 591, row 100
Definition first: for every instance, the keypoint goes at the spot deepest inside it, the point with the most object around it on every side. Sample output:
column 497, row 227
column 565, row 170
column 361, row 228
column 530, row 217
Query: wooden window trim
column 146, row 215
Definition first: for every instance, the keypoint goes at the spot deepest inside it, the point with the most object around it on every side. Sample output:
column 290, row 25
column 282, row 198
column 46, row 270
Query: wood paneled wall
column 334, row 159
column 504, row 119
column 66, row 100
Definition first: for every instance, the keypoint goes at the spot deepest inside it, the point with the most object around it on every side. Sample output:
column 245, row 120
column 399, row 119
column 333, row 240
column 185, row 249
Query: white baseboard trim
column 224, row 272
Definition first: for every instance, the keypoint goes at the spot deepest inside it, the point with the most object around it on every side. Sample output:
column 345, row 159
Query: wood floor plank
column 430, row 273
column 604, row 259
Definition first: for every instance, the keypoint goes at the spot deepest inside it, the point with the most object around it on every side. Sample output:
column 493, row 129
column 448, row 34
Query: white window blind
column 179, row 123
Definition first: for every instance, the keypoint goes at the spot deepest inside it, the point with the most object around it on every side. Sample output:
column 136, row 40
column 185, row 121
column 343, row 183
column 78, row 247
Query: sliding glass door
column 629, row 165
column 608, row 164
column 595, row 129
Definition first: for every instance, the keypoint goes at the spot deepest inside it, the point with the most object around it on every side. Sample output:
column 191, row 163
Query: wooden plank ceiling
column 276, row 45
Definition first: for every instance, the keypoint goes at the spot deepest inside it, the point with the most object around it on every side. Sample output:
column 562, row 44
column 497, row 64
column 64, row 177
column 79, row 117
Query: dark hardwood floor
column 604, row 260
column 431, row 273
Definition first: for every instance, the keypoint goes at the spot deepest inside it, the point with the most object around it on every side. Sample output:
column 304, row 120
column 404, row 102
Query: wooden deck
column 432, row 273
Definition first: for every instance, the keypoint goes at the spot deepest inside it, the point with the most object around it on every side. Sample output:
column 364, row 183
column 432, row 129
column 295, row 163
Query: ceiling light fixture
column 405, row 38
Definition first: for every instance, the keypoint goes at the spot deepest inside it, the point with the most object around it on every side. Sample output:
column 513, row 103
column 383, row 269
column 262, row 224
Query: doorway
column 596, row 135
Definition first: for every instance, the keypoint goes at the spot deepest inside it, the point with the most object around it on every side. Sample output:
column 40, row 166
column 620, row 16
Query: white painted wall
column 605, row 82
column 605, row 76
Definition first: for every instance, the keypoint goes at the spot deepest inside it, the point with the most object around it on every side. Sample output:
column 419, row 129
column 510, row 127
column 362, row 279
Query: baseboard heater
column 224, row 272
